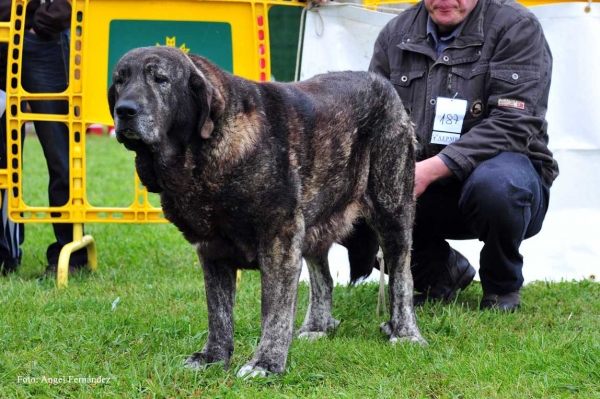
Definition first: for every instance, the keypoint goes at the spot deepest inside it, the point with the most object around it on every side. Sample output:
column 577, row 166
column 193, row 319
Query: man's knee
column 500, row 189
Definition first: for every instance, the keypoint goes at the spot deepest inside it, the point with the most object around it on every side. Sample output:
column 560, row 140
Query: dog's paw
column 386, row 328
column 311, row 330
column 199, row 361
column 250, row 371
column 311, row 335
column 407, row 336
column 195, row 362
column 413, row 338
column 332, row 324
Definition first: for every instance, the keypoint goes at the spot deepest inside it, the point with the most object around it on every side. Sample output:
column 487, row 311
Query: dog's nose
column 126, row 109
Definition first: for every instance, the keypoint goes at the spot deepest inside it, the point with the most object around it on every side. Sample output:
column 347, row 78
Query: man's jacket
column 500, row 63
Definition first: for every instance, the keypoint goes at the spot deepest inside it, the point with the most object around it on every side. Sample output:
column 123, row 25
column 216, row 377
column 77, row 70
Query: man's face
column 448, row 14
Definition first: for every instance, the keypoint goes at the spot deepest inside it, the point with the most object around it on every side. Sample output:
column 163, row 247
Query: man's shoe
column 9, row 266
column 419, row 299
column 456, row 274
column 505, row 303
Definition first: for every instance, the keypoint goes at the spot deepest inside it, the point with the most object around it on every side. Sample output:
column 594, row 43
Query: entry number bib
column 449, row 116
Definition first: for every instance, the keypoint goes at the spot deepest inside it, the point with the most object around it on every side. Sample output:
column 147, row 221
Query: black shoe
column 456, row 274
column 52, row 270
column 505, row 303
column 9, row 265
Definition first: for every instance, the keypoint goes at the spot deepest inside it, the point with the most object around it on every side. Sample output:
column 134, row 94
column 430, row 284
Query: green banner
column 212, row 40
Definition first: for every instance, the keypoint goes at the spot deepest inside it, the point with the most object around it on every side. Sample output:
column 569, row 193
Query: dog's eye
column 161, row 79
column 118, row 80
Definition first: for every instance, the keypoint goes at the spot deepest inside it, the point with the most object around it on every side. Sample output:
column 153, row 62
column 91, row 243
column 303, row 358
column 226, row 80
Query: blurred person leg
column 45, row 66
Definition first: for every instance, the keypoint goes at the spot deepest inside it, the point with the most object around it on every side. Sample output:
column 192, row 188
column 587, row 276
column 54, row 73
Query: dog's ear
column 111, row 100
column 208, row 101
column 202, row 97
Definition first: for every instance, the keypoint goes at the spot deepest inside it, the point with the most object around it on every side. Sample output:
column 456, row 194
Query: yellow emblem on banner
column 172, row 42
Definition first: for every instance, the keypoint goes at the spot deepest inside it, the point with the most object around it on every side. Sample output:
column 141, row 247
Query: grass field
column 52, row 341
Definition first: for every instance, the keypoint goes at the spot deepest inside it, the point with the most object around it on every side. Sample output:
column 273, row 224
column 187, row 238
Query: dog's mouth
column 128, row 133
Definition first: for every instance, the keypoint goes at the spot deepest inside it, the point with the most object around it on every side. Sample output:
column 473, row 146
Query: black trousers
column 503, row 202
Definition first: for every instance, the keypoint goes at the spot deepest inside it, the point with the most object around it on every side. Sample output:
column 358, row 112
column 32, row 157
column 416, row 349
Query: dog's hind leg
column 219, row 279
column 402, row 325
column 395, row 232
column 280, row 263
column 318, row 321
column 391, row 189
column 395, row 240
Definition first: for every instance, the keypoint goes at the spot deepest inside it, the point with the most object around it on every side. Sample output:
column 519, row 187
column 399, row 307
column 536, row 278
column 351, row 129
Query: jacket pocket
column 409, row 85
column 515, row 87
column 515, row 77
column 470, row 71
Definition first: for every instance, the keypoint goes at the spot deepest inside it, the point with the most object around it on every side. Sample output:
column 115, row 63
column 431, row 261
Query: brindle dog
column 258, row 175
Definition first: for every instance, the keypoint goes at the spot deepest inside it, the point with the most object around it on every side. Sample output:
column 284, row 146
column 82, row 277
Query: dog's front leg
column 280, row 264
column 219, row 280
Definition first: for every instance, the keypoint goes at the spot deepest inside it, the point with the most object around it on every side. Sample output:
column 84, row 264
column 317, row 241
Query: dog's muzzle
column 126, row 112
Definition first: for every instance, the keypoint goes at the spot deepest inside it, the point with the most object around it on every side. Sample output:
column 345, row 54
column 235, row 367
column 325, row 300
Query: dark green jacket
column 500, row 63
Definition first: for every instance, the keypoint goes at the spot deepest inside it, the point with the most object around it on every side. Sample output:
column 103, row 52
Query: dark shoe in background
column 505, row 303
column 52, row 270
column 456, row 274
column 9, row 266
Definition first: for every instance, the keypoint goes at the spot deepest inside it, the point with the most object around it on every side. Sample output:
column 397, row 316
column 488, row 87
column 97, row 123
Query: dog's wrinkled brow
column 122, row 71
column 152, row 59
column 151, row 67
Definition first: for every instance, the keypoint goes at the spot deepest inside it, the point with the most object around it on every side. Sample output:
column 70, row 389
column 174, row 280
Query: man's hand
column 428, row 171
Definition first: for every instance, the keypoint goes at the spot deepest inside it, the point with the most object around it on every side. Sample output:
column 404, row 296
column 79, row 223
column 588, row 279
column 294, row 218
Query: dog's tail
column 362, row 247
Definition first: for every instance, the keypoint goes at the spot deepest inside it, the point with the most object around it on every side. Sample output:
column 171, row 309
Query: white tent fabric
column 341, row 37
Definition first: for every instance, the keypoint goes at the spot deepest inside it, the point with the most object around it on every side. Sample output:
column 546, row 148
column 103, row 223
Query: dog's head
column 158, row 94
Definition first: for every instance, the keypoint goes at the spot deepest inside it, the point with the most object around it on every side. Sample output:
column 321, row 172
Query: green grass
column 551, row 348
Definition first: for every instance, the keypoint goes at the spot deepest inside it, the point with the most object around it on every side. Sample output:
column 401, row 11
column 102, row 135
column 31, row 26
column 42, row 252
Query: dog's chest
column 217, row 234
column 203, row 214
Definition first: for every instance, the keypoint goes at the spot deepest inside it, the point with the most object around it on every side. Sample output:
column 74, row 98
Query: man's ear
column 208, row 102
column 111, row 100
